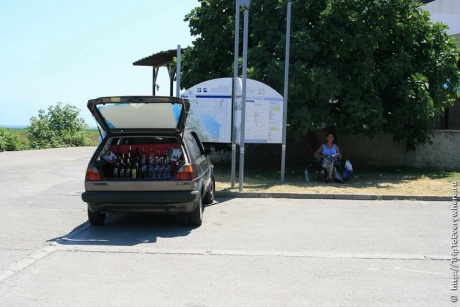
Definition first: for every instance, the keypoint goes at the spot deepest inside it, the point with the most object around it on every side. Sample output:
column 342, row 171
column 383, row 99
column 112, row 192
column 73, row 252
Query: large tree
column 363, row 66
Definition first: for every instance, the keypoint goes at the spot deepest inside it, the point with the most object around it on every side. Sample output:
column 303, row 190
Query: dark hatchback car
column 147, row 161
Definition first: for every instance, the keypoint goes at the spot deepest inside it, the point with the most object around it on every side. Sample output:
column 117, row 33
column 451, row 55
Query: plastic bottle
column 307, row 177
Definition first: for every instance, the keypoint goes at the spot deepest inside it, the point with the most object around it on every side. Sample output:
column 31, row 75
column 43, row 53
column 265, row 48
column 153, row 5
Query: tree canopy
column 365, row 66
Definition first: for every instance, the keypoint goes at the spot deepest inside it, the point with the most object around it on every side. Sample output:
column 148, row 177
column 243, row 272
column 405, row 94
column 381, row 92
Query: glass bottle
column 133, row 169
column 151, row 157
column 128, row 168
column 143, row 156
column 115, row 171
column 167, row 169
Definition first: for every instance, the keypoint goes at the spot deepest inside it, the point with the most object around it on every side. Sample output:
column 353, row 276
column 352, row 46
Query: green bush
column 60, row 127
column 11, row 141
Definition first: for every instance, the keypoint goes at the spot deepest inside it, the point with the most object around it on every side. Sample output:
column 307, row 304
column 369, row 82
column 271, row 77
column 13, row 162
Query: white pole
column 235, row 87
column 178, row 68
column 243, row 98
column 286, row 89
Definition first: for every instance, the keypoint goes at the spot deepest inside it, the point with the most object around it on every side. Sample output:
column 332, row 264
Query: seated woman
column 329, row 153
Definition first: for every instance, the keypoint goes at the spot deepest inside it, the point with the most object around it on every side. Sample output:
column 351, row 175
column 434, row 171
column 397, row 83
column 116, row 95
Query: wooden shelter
column 158, row 60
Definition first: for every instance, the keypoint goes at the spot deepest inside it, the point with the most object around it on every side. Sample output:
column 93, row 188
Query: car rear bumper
column 172, row 202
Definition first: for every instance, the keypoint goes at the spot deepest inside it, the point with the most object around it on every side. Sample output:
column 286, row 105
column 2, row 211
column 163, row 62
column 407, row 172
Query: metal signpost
column 243, row 90
column 286, row 89
column 235, row 86
column 246, row 4
column 178, row 70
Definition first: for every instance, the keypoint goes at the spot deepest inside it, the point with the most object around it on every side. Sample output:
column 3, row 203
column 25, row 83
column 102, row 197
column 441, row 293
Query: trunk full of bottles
column 139, row 164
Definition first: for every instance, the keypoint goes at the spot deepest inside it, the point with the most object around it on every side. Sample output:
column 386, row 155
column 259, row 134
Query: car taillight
column 184, row 172
column 92, row 174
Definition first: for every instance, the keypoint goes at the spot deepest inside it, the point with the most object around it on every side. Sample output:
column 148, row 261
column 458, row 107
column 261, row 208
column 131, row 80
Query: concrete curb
column 226, row 194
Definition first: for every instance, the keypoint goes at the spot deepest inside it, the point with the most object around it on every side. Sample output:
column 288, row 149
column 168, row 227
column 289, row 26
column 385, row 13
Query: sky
column 71, row 51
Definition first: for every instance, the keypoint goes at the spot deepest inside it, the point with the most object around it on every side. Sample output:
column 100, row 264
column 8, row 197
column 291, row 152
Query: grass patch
column 22, row 132
column 92, row 133
column 398, row 181
column 273, row 176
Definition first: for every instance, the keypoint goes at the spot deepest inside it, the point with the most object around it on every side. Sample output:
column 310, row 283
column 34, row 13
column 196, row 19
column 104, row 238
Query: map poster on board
column 210, row 112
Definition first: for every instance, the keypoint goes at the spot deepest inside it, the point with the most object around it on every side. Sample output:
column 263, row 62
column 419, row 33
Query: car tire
column 96, row 218
column 195, row 218
column 209, row 196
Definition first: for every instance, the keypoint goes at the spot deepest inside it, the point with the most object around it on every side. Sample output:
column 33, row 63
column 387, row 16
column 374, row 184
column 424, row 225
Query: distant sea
column 14, row 126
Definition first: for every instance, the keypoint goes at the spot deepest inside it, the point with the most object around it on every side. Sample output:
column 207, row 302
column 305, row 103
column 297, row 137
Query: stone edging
column 226, row 194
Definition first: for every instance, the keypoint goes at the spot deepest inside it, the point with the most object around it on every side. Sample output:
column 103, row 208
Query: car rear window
column 141, row 115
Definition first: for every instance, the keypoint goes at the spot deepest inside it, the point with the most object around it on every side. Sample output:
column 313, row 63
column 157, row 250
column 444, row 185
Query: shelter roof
column 159, row 59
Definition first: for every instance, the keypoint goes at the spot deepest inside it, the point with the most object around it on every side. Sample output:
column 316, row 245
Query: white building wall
column 447, row 12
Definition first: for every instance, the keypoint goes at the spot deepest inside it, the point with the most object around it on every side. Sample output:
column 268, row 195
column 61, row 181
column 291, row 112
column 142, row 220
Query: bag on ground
column 348, row 171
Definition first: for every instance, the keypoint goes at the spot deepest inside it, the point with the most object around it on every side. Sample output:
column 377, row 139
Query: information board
column 263, row 114
column 211, row 111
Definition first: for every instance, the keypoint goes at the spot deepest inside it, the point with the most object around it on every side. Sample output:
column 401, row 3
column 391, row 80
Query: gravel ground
column 363, row 185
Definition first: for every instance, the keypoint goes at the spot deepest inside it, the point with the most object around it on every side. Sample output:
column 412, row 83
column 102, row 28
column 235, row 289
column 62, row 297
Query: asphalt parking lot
column 249, row 251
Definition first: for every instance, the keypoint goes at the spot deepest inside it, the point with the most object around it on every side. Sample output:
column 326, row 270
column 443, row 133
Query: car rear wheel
column 195, row 218
column 209, row 197
column 96, row 218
